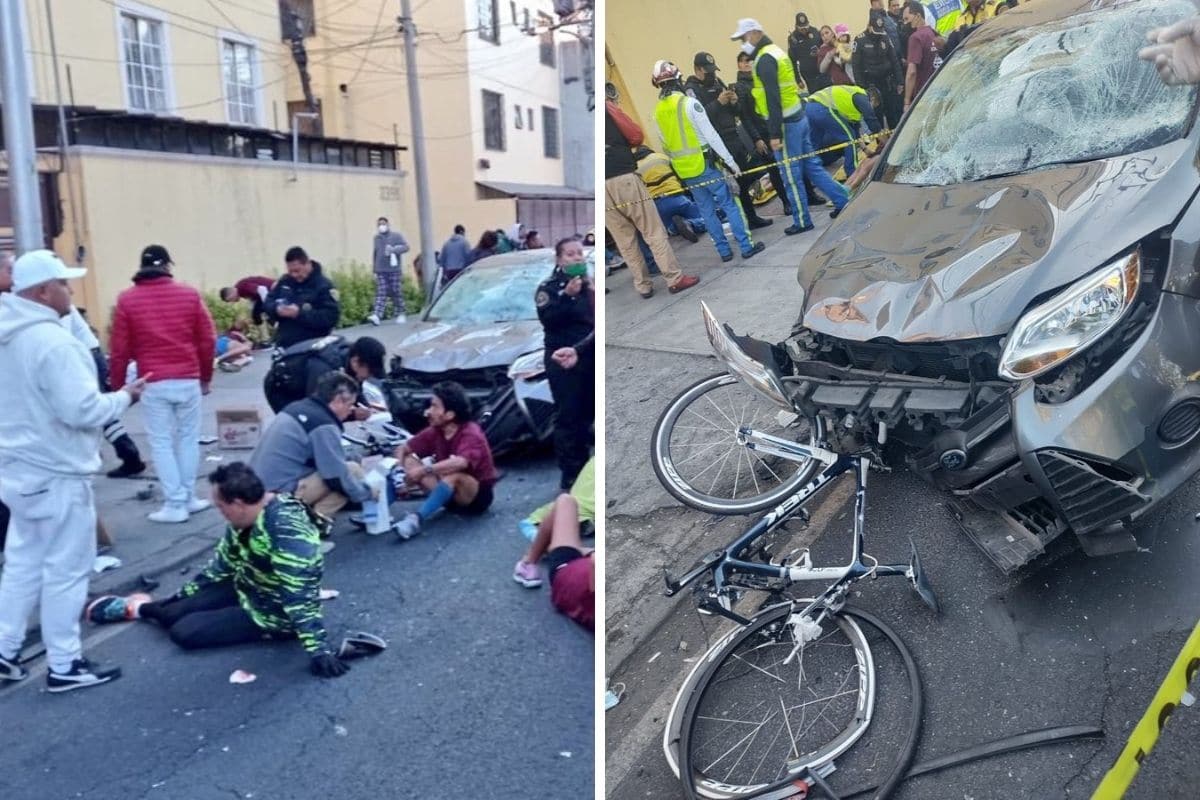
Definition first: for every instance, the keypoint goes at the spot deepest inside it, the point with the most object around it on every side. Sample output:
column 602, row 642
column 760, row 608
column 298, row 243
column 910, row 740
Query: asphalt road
column 1075, row 641
column 485, row 691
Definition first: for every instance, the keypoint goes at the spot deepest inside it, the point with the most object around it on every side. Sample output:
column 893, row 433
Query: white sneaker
column 408, row 527
column 373, row 319
column 401, row 319
column 198, row 504
column 169, row 514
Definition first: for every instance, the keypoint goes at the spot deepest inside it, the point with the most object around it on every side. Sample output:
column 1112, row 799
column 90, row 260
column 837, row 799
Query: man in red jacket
column 165, row 327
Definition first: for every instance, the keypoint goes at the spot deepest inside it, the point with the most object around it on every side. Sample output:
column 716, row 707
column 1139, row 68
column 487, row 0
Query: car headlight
column 528, row 366
column 1070, row 322
column 753, row 373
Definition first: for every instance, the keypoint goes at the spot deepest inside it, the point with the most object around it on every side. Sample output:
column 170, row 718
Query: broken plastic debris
column 104, row 563
column 241, row 676
column 340, row 730
column 328, row 594
column 214, row 458
column 653, row 657
column 565, row 753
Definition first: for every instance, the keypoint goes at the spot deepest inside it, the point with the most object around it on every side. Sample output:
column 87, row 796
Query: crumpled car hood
column 936, row 263
column 438, row 347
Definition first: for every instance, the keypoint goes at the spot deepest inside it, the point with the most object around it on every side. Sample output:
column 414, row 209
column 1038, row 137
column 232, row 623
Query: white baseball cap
column 745, row 26
column 39, row 266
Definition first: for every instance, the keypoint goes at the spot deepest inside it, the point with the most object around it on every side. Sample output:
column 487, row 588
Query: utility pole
column 18, row 132
column 424, row 212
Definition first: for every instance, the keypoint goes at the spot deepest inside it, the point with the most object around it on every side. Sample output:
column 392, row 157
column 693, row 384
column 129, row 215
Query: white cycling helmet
column 664, row 71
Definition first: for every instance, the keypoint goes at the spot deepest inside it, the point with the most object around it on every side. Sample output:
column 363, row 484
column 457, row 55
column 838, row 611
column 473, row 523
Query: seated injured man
column 263, row 582
column 461, row 473
column 301, row 451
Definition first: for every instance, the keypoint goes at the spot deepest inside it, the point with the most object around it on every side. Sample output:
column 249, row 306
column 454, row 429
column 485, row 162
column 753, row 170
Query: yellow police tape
column 865, row 139
column 1142, row 740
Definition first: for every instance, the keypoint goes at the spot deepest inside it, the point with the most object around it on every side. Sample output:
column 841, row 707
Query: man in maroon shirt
column 255, row 289
column 922, row 50
column 462, row 473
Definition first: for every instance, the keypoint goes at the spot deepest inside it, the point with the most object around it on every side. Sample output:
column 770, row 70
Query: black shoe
column 814, row 200
column 834, row 214
column 647, row 295
column 727, row 258
column 128, row 469
column 792, row 230
column 82, row 676
column 685, row 229
column 759, row 222
column 753, row 251
column 11, row 669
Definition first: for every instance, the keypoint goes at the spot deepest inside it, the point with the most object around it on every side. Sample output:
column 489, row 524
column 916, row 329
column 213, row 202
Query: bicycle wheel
column 697, row 458
column 756, row 718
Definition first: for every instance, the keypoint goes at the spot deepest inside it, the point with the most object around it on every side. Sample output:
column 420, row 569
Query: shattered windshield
column 493, row 294
column 1072, row 90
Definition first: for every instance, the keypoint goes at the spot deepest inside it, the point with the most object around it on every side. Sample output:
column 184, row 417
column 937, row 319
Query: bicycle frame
column 729, row 561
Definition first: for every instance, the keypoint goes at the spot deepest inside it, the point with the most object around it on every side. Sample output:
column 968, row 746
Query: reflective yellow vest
column 659, row 177
column 789, row 93
column 679, row 138
column 841, row 100
column 946, row 13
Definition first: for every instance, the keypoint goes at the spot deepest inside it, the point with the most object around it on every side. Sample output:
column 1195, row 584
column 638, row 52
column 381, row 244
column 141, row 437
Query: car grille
column 473, row 380
column 1089, row 499
column 966, row 360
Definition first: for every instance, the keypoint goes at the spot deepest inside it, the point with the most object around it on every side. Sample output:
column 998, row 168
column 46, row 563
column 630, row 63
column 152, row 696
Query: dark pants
column 750, row 160
column 892, row 104
column 210, row 618
column 574, row 392
column 388, row 285
column 4, row 516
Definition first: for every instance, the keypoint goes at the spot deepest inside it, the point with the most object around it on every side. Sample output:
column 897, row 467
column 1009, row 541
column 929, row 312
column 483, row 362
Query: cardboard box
column 238, row 428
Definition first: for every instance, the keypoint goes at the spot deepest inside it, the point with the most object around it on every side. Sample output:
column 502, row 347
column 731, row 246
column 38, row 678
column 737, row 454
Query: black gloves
column 327, row 665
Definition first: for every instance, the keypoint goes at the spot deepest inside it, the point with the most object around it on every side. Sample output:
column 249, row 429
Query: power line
column 367, row 52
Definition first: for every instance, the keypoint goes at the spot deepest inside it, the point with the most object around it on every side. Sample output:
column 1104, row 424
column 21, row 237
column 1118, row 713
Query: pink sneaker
column 527, row 575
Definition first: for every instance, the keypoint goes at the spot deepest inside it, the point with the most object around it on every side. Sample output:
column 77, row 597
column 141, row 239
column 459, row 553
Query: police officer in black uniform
column 303, row 303
column 566, row 306
column 803, row 43
column 877, row 68
column 721, row 103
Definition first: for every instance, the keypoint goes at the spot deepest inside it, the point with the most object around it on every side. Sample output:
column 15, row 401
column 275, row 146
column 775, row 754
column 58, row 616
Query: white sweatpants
column 49, row 555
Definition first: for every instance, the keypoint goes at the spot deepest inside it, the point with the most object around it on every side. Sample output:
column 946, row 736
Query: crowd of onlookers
column 264, row 580
column 821, row 92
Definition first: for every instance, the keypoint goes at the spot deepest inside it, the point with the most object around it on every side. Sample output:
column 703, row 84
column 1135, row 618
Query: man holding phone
column 49, row 451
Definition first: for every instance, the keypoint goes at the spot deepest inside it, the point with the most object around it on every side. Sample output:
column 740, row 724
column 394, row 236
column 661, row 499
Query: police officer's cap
column 706, row 62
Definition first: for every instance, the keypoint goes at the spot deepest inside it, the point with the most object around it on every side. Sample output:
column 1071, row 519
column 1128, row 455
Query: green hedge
column 355, row 284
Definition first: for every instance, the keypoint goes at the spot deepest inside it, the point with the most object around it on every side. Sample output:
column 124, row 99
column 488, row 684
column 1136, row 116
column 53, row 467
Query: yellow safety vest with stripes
column 841, row 100
column 680, row 141
column 789, row 92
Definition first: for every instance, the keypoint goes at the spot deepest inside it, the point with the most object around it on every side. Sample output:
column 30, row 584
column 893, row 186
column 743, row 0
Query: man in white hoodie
column 49, row 451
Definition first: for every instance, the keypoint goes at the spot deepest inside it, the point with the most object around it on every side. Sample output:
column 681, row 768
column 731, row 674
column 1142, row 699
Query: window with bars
column 143, row 53
column 489, row 20
column 237, row 65
column 493, row 120
column 546, row 41
column 550, row 147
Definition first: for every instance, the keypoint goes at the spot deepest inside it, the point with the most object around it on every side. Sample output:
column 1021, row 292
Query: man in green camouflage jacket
column 263, row 582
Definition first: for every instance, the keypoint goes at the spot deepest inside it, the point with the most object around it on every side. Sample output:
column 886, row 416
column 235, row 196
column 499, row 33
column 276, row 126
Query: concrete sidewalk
column 654, row 349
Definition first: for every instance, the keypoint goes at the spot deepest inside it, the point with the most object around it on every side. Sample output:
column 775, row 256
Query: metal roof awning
column 531, row 191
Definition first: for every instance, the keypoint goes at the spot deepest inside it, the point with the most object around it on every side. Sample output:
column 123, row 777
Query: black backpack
column 289, row 377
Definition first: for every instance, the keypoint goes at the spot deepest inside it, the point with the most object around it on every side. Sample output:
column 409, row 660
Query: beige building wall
column 135, row 198
column 512, row 68
column 88, row 38
column 358, row 69
column 639, row 33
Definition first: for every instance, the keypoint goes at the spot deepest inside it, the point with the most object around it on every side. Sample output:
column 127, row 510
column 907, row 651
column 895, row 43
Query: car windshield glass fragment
column 1069, row 91
column 492, row 294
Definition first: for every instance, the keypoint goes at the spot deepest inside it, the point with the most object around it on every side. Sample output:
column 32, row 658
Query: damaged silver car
column 1009, row 308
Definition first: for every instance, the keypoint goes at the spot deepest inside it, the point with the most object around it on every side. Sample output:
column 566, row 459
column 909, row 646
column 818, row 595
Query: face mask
column 747, row 48
column 710, row 78
column 383, row 228
column 578, row 270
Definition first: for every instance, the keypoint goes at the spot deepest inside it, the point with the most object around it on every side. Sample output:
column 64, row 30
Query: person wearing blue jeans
column 777, row 102
column 679, row 206
column 797, row 140
column 694, row 147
